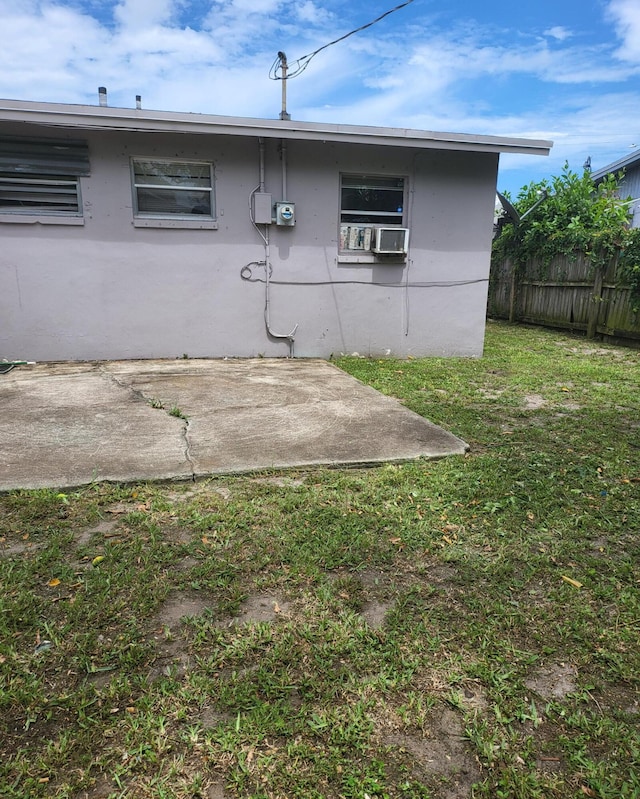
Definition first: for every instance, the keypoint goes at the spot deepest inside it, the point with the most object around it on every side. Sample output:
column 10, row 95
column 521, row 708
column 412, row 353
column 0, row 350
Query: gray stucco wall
column 109, row 290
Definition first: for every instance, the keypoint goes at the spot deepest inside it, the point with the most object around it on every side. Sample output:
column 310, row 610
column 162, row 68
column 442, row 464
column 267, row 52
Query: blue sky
column 566, row 70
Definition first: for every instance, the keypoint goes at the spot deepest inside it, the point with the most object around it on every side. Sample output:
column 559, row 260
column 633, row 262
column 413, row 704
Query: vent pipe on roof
column 138, row 101
column 102, row 96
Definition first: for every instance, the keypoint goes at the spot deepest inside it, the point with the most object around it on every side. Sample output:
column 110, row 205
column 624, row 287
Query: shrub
column 578, row 216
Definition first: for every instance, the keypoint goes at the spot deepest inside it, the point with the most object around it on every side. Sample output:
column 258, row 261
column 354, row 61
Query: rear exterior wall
column 107, row 289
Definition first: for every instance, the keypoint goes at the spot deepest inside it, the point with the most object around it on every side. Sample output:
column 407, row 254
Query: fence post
column 596, row 301
column 513, row 293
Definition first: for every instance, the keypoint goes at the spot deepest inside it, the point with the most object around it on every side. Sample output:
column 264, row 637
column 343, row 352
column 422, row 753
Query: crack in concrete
column 187, row 448
column 140, row 396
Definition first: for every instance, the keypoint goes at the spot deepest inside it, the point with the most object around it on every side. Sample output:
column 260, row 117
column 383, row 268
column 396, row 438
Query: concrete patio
column 70, row 424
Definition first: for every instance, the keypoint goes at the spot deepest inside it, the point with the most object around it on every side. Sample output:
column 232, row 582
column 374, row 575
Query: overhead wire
column 299, row 66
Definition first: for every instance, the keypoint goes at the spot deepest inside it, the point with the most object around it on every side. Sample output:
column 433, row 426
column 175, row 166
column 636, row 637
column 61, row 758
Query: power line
column 299, row 66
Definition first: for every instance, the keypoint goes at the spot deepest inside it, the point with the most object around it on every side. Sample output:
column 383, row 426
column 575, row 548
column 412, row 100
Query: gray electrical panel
column 262, row 208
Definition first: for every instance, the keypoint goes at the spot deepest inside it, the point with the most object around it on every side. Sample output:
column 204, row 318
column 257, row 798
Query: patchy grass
column 436, row 630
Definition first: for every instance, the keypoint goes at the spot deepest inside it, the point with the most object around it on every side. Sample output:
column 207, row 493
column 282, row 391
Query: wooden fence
column 568, row 293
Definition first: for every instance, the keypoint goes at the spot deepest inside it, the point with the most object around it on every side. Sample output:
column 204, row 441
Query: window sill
column 40, row 219
column 371, row 258
column 163, row 222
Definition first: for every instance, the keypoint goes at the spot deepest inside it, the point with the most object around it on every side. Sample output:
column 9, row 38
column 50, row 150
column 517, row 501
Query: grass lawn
column 448, row 629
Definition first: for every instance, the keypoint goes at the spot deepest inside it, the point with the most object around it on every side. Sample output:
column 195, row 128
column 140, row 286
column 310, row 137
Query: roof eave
column 84, row 117
column 617, row 166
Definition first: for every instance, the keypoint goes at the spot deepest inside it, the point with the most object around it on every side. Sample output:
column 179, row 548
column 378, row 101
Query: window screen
column 172, row 188
column 372, row 200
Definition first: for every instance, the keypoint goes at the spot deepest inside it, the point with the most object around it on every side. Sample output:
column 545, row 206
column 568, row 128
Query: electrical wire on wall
column 246, row 273
column 266, row 265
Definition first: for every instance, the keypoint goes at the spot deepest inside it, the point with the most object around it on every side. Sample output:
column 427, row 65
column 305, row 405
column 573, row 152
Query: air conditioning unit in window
column 390, row 240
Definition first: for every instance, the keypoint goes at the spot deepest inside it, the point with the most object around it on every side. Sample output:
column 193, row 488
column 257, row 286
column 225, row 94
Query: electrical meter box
column 285, row 214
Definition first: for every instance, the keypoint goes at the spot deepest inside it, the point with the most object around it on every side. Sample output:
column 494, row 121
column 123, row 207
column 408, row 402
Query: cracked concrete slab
column 67, row 425
column 71, row 424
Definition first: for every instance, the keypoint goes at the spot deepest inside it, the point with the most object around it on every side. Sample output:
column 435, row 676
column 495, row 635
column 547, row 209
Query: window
column 42, row 176
column 368, row 202
column 372, row 200
column 172, row 189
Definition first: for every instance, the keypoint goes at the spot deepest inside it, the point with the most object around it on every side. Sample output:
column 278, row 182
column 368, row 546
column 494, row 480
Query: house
column 630, row 183
column 129, row 233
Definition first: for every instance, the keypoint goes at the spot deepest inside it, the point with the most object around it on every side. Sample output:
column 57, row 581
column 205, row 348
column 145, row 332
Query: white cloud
column 182, row 47
column 310, row 13
column 263, row 7
column 626, row 17
column 559, row 33
column 443, row 62
column 47, row 53
column 143, row 13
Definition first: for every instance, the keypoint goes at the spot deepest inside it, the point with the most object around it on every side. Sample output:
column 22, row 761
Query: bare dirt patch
column 377, row 590
column 440, row 574
column 375, row 580
column 474, row 697
column 442, row 752
column 216, row 790
column 186, row 564
column 177, row 535
column 619, row 697
column 554, row 681
column 533, row 402
column 260, row 608
column 101, row 789
column 374, row 613
column 178, row 606
column 104, row 527
column 587, row 351
column 491, row 394
column 571, row 406
column 9, row 549
column 380, row 589
column 172, row 652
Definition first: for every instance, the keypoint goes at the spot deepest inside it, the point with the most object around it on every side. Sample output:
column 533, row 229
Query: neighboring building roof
column 89, row 117
column 617, row 166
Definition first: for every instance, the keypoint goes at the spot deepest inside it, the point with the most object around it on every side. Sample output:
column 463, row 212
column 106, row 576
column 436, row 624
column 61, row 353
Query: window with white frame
column 172, row 189
column 42, row 176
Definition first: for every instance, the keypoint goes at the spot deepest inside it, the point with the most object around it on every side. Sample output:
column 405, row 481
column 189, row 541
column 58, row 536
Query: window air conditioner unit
column 390, row 240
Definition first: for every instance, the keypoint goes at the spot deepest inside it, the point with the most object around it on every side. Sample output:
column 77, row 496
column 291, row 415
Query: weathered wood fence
column 567, row 293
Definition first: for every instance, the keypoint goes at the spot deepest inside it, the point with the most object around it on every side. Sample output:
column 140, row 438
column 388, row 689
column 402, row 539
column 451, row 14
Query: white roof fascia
column 616, row 166
column 88, row 117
